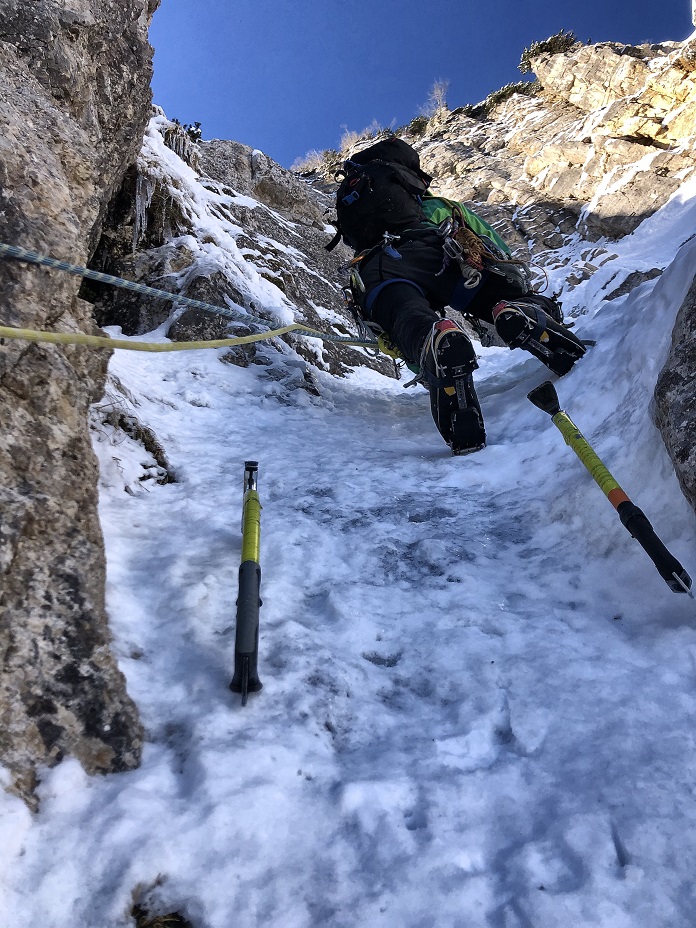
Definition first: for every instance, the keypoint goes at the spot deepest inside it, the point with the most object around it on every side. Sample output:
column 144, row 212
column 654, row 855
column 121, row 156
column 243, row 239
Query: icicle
column 179, row 140
column 144, row 190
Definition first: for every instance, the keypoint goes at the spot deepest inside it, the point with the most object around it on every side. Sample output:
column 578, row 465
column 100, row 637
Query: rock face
column 73, row 106
column 675, row 405
column 208, row 227
column 604, row 144
column 254, row 173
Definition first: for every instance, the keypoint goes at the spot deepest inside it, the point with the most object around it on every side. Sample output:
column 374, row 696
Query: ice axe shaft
column 634, row 519
column 246, row 645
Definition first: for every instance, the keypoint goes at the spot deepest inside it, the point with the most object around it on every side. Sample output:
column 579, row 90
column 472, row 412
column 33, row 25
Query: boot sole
column 458, row 364
column 468, row 433
column 557, row 351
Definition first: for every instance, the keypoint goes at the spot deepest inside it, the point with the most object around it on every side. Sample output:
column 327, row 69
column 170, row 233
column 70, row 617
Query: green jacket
column 437, row 209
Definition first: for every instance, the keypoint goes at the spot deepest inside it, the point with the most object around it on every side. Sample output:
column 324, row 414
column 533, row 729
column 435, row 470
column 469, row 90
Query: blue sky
column 286, row 76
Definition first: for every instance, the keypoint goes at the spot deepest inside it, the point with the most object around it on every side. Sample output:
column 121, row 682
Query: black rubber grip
column 246, row 645
column 667, row 565
column 248, row 603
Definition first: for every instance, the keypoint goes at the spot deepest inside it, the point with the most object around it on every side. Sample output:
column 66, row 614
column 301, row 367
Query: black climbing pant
column 404, row 294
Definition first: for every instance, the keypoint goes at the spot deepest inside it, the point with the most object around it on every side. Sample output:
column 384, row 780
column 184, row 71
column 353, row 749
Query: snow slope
column 478, row 693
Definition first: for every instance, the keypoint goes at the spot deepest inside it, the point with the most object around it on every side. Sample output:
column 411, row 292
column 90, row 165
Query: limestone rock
column 252, row 172
column 73, row 107
column 613, row 130
column 632, row 281
column 593, row 76
column 197, row 324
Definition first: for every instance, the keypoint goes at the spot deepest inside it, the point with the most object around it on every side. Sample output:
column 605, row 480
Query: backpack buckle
column 388, row 248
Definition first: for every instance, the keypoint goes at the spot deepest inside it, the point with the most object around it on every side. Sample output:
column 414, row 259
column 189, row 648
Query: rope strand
column 31, row 257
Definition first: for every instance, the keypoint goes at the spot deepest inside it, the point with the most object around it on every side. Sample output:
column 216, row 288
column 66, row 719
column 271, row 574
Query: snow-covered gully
column 478, row 693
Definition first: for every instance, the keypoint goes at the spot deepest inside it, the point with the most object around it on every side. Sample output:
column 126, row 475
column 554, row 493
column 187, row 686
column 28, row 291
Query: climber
column 417, row 253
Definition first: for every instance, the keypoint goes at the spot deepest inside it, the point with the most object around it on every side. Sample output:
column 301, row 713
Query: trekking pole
column 246, row 644
column 633, row 518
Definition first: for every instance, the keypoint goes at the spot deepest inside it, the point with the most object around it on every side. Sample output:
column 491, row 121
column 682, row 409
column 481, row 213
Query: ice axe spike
column 544, row 397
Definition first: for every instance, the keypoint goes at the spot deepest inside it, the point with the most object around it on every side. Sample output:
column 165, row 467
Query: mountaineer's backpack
column 383, row 189
column 379, row 191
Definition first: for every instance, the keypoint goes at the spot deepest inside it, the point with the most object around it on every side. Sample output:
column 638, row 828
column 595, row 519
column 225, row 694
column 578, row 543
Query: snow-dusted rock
column 213, row 237
column 252, row 172
column 613, row 128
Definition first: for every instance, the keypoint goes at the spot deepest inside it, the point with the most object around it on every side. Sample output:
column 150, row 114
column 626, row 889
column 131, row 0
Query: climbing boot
column 448, row 361
column 525, row 325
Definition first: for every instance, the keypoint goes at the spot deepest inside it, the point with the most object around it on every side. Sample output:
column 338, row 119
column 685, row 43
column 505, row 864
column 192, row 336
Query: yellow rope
column 101, row 341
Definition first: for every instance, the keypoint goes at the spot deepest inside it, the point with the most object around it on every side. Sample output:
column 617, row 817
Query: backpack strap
column 339, row 176
column 336, row 239
column 375, row 291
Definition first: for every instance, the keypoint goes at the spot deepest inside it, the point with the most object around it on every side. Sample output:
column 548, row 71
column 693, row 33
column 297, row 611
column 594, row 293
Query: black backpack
column 379, row 192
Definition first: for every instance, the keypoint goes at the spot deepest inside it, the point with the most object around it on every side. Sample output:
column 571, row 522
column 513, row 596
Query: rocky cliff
column 608, row 137
column 74, row 102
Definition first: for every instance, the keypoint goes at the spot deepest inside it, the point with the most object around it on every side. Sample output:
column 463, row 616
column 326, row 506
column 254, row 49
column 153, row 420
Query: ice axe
column 634, row 519
column 246, row 644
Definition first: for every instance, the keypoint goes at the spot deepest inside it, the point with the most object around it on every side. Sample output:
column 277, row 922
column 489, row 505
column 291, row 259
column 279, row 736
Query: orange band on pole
column 616, row 497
